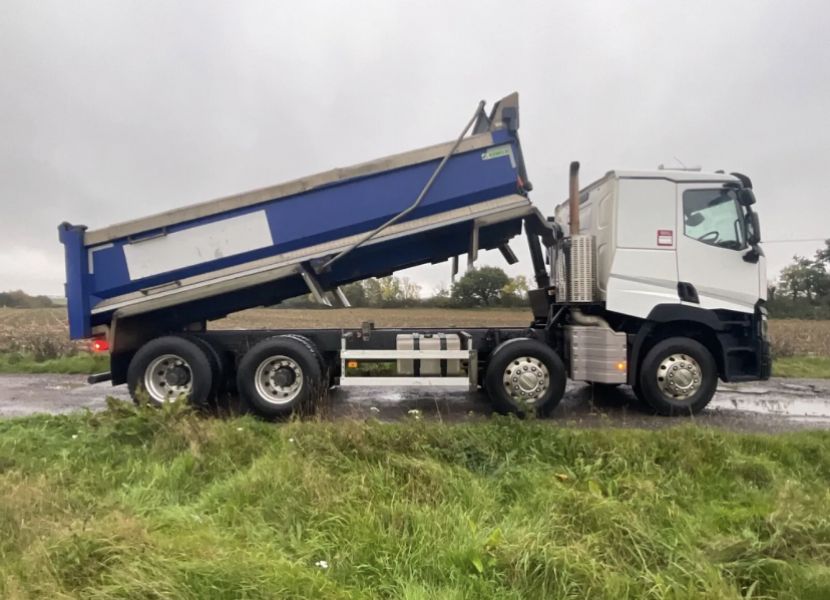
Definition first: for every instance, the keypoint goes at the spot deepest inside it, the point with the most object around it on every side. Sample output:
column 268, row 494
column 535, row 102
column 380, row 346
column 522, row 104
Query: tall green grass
column 138, row 503
column 80, row 363
column 813, row 367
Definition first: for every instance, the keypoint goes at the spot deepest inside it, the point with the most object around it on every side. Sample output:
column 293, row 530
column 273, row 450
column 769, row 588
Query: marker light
column 621, row 366
column 99, row 345
column 352, row 364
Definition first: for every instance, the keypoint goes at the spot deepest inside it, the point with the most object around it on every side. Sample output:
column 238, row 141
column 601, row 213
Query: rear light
column 99, row 345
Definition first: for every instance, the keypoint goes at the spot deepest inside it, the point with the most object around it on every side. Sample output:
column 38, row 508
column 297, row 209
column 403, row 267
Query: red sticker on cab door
column 665, row 237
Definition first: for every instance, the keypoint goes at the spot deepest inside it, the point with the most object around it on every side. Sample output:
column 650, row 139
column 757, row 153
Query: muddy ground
column 776, row 405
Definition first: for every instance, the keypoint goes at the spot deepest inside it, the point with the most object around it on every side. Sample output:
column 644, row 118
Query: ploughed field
column 44, row 331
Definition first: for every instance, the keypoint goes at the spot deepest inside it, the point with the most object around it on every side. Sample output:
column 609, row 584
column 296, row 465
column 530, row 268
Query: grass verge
column 812, row 367
column 81, row 363
column 165, row 504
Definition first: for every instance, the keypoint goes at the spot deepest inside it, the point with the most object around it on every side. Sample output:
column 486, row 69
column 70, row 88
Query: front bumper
column 764, row 349
column 764, row 360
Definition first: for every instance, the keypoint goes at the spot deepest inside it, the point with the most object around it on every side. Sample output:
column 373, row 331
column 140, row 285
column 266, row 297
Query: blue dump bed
column 204, row 261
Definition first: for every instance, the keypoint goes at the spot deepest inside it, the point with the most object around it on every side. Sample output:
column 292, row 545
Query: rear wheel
column 217, row 366
column 169, row 369
column 525, row 376
column 280, row 376
column 311, row 347
column 678, row 376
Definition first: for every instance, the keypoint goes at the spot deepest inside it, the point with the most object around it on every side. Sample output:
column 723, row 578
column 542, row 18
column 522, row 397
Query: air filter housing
column 581, row 272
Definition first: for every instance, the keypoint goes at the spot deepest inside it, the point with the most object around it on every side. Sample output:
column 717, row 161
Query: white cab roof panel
column 672, row 175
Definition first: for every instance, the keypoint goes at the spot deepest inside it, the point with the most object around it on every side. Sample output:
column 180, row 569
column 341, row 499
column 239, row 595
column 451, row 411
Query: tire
column 311, row 348
column 325, row 368
column 280, row 376
column 695, row 371
column 167, row 368
column 532, row 357
column 217, row 366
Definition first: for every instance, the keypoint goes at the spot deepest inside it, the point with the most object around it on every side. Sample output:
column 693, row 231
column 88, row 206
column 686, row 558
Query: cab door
column 710, row 248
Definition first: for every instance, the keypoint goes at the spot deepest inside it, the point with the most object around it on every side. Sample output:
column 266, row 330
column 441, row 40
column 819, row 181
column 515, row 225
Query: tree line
column 20, row 299
column 802, row 290
column 482, row 287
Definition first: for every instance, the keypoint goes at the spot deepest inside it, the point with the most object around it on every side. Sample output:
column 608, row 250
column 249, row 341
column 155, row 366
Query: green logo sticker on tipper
column 496, row 152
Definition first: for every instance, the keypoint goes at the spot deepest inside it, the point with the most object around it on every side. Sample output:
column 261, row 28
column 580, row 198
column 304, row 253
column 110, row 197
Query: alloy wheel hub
column 279, row 379
column 679, row 376
column 526, row 379
column 168, row 377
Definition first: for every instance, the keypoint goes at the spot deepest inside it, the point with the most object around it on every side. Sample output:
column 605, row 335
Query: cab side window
column 714, row 217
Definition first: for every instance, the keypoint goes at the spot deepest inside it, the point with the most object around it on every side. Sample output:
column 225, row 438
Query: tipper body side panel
column 204, row 261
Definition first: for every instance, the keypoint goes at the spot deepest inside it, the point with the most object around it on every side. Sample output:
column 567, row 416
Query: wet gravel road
column 775, row 405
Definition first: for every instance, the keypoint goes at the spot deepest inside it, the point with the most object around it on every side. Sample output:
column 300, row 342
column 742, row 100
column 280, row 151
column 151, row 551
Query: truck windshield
column 714, row 217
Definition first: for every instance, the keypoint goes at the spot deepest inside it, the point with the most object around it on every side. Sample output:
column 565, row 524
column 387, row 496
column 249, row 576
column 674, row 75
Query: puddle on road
column 795, row 402
column 813, row 409
column 65, row 386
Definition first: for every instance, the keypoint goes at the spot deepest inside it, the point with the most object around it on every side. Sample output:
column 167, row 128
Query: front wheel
column 525, row 376
column 678, row 376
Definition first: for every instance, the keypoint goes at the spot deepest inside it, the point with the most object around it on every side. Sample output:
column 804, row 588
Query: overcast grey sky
column 114, row 110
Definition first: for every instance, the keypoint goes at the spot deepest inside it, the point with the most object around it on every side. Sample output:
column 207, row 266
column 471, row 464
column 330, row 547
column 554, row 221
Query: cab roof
column 675, row 175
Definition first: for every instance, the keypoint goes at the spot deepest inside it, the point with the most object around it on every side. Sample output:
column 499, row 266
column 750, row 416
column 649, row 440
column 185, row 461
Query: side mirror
column 745, row 181
column 753, row 229
column 746, row 197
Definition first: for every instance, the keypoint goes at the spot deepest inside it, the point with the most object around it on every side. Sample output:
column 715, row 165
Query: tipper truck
column 654, row 279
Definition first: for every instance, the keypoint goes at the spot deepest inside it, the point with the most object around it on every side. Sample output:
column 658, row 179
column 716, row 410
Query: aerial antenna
column 682, row 167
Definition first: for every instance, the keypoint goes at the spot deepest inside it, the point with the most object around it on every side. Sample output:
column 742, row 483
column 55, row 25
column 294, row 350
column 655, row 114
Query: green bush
column 20, row 299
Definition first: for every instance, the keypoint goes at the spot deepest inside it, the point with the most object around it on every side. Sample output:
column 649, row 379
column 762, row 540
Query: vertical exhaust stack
column 573, row 199
column 576, row 279
column 597, row 353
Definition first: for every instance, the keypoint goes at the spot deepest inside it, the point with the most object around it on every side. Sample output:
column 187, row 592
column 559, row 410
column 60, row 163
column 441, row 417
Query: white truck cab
column 659, row 236
column 672, row 260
